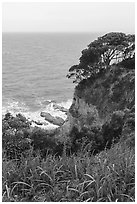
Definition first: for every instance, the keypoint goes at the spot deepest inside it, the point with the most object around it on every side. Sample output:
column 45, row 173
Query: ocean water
column 34, row 69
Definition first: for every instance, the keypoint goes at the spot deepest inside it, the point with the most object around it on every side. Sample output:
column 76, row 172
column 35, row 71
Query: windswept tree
column 101, row 53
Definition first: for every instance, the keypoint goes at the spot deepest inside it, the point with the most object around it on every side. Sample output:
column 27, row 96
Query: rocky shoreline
column 46, row 120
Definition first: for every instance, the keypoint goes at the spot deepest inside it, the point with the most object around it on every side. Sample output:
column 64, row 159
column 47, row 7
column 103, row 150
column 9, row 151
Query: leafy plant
column 15, row 135
column 101, row 53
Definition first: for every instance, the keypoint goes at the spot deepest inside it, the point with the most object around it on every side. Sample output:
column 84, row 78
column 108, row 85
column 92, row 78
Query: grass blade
column 89, row 176
column 128, row 197
column 44, row 184
column 44, row 172
column 73, row 189
column 17, row 183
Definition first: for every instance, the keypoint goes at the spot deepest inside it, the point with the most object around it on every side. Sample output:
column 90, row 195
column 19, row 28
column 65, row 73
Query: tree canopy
column 111, row 48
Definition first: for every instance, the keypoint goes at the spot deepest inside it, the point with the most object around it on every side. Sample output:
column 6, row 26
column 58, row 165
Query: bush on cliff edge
column 111, row 48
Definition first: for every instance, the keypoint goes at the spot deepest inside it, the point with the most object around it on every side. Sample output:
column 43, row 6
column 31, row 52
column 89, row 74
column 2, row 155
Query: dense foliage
column 15, row 135
column 18, row 138
column 107, row 177
column 92, row 168
column 101, row 53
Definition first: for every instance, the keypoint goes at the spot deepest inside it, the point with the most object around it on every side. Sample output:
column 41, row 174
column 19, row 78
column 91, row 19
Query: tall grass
column 105, row 177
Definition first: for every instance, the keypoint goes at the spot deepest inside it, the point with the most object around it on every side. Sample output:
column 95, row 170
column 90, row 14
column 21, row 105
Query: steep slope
column 95, row 100
column 105, row 103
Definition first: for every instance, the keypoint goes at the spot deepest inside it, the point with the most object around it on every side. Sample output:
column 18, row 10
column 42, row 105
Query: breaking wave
column 48, row 106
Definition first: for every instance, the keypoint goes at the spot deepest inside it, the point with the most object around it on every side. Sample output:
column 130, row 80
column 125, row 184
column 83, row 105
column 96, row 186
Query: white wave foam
column 15, row 107
column 66, row 104
column 56, row 112
column 35, row 116
column 42, row 102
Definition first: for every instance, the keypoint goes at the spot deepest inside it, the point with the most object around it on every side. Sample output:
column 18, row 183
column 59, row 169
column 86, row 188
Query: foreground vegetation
column 39, row 174
column 106, row 177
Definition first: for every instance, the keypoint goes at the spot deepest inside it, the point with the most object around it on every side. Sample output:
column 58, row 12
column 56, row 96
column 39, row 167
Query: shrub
column 101, row 53
column 96, row 139
column 15, row 135
column 42, row 141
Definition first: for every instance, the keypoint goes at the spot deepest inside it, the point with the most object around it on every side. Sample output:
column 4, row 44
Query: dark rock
column 47, row 116
column 38, row 122
column 54, row 120
column 59, row 121
column 43, row 114
column 61, row 108
column 46, row 102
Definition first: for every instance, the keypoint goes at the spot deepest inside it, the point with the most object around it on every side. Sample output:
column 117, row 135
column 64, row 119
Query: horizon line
column 65, row 32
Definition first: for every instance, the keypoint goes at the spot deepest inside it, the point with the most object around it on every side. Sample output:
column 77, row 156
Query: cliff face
column 109, row 98
column 95, row 100
column 82, row 114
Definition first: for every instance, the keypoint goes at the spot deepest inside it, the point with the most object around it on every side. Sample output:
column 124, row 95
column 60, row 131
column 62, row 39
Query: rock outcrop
column 105, row 103
column 60, row 108
column 54, row 120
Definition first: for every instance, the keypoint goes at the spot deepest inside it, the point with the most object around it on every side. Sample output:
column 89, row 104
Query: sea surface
column 34, row 69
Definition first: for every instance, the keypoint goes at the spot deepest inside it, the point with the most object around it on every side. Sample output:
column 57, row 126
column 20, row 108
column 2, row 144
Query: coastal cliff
column 105, row 104
column 94, row 102
column 104, row 98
